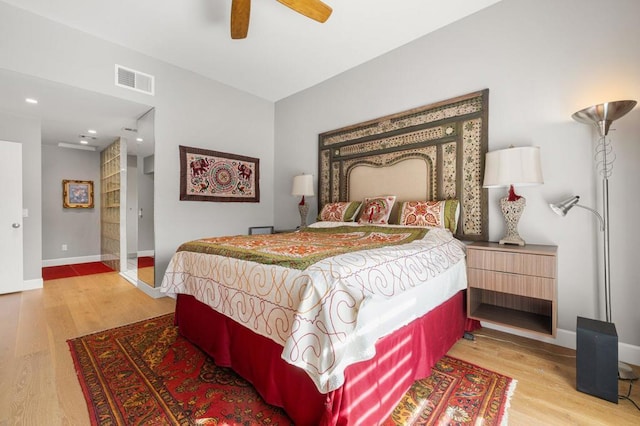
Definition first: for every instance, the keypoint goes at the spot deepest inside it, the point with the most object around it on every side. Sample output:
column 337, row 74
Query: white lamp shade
column 302, row 185
column 513, row 166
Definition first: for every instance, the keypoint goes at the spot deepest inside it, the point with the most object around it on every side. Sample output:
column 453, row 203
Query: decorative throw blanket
column 300, row 249
column 328, row 315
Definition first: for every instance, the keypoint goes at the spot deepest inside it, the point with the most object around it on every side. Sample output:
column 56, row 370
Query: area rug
column 147, row 374
column 75, row 270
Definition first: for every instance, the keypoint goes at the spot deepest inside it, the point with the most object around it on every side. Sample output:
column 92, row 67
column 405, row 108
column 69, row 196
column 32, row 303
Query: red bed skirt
column 372, row 388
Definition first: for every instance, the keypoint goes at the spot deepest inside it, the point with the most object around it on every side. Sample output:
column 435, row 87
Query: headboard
column 434, row 152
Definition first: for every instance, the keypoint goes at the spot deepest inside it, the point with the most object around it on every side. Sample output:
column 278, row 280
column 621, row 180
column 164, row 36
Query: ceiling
column 284, row 52
column 67, row 113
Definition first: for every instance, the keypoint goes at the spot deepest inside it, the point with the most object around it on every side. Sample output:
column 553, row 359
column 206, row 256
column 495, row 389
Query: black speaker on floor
column 597, row 358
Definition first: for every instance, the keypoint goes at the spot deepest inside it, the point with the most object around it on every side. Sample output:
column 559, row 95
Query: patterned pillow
column 377, row 210
column 437, row 214
column 340, row 212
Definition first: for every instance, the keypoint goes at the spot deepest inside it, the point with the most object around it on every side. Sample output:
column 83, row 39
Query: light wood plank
column 539, row 263
column 37, row 377
column 546, row 375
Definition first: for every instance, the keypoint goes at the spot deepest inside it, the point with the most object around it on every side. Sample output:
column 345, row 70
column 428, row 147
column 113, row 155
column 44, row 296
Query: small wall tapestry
column 77, row 194
column 218, row 176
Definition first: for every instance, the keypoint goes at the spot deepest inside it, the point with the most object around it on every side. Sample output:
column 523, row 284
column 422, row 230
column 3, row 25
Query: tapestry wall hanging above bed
column 217, row 176
column 450, row 137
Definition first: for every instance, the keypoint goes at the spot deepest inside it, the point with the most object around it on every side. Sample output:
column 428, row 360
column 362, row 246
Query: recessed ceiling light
column 139, row 139
column 31, row 101
column 84, row 142
column 93, row 132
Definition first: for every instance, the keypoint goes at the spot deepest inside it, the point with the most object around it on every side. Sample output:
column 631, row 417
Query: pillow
column 437, row 214
column 340, row 212
column 377, row 210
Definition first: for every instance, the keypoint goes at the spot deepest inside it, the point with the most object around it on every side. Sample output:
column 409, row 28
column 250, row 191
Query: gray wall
column 79, row 229
column 542, row 60
column 189, row 110
column 27, row 132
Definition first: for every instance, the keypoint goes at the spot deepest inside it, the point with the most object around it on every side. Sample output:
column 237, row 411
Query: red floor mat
column 55, row 272
column 78, row 269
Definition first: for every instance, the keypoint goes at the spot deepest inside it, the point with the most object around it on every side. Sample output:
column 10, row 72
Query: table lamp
column 519, row 166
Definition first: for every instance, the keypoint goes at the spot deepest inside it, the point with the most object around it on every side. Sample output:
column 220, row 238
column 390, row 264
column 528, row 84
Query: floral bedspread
column 329, row 314
column 301, row 249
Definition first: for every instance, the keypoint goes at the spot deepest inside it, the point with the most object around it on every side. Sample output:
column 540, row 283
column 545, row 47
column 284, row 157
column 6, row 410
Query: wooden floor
column 39, row 386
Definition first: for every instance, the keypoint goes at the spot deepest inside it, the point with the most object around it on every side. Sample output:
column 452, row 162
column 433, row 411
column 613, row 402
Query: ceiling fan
column 240, row 11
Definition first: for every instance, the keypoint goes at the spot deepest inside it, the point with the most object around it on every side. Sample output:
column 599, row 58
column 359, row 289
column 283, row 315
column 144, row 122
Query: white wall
column 542, row 60
column 79, row 229
column 189, row 110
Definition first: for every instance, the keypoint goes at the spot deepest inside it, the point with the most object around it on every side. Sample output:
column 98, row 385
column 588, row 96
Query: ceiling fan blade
column 314, row 9
column 240, row 12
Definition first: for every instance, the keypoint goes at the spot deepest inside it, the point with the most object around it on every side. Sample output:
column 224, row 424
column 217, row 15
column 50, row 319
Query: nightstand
column 513, row 286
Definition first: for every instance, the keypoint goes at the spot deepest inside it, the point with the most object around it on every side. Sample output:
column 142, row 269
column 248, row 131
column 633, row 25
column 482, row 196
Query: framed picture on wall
column 77, row 194
column 218, row 176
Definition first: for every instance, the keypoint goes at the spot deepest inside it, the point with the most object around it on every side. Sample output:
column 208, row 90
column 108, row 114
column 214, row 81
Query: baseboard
column 153, row 292
column 567, row 339
column 32, row 284
column 132, row 279
column 146, row 253
column 71, row 260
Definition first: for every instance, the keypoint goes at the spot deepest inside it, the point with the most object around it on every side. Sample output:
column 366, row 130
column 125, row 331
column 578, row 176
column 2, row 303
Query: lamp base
column 513, row 240
column 304, row 210
column 512, row 210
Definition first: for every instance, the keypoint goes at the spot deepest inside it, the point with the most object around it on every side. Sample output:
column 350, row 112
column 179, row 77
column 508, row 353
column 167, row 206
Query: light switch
column 25, row 212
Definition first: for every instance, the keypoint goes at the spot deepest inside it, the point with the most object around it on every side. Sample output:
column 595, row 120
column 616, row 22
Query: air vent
column 134, row 80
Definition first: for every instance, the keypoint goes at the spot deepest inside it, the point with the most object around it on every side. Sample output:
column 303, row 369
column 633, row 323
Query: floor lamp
column 601, row 116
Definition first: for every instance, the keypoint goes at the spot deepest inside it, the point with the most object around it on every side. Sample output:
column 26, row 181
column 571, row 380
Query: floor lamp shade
column 519, row 166
column 562, row 208
column 602, row 115
column 303, row 186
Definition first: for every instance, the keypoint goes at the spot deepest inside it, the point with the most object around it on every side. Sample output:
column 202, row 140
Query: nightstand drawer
column 513, row 262
column 521, row 285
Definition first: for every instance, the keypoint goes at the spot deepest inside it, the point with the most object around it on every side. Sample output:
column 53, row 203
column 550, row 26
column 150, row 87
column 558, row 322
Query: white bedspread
column 329, row 315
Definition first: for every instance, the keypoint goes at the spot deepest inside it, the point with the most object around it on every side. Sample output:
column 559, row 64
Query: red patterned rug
column 147, row 374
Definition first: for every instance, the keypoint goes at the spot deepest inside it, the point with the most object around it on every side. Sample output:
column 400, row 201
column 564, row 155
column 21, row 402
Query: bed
column 336, row 321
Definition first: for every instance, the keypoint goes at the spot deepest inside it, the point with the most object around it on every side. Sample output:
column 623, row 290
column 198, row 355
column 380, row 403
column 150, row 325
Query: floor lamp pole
column 607, row 255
